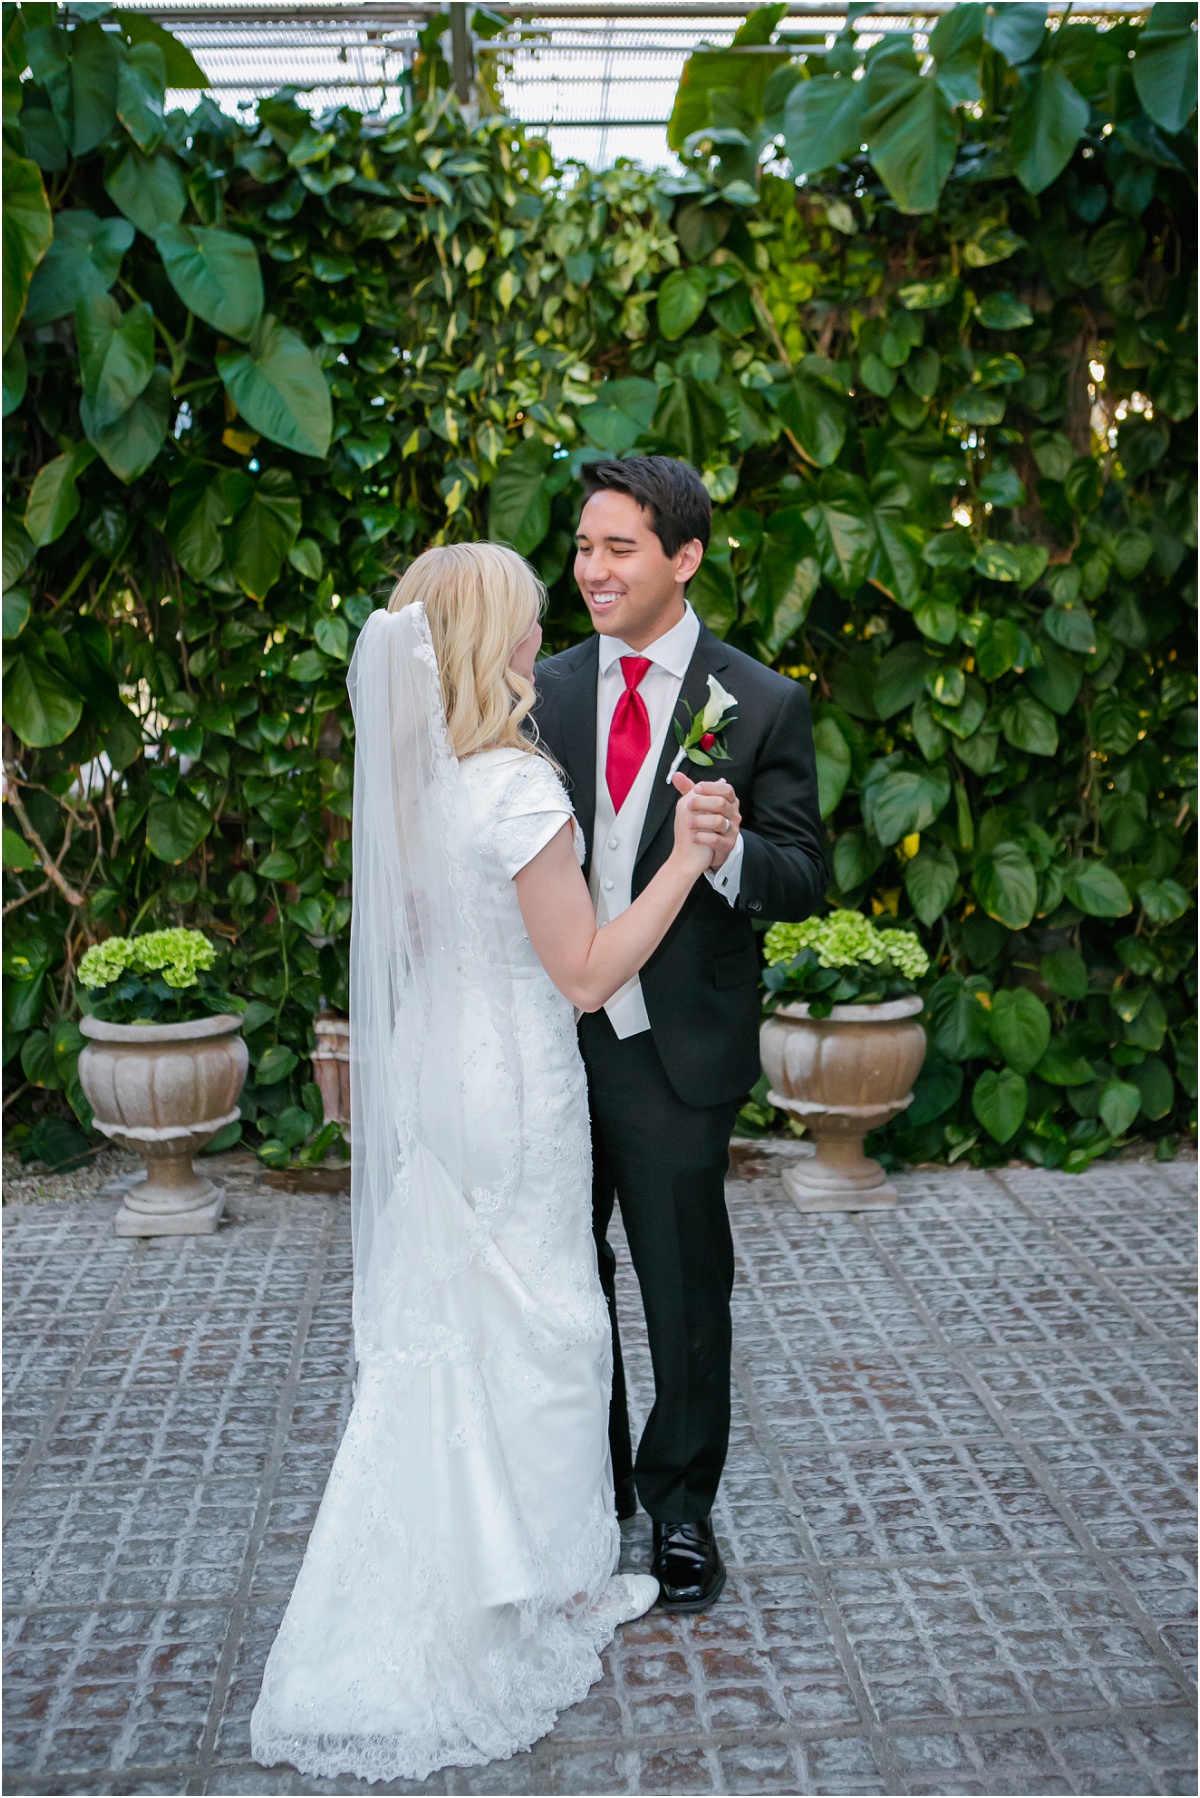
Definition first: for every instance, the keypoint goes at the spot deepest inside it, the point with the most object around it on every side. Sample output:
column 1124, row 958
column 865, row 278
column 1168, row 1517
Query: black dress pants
column 666, row 1163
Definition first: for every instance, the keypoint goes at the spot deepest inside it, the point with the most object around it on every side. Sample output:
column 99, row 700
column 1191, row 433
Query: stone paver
column 958, row 1510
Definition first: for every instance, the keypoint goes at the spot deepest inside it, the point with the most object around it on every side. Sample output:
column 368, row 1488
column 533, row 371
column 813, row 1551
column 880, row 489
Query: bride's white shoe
column 633, row 1595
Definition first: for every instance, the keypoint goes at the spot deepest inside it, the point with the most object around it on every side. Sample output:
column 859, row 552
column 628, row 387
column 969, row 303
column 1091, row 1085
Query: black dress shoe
column 626, row 1500
column 687, row 1565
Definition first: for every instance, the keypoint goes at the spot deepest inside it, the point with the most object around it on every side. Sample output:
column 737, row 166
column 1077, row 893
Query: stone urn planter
column 331, row 1067
column 164, row 1091
column 842, row 1076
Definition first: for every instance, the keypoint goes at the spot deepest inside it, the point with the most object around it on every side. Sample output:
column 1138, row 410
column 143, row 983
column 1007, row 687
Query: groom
column 675, row 1050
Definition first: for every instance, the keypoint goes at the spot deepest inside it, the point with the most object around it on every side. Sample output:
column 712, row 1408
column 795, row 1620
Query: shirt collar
column 672, row 651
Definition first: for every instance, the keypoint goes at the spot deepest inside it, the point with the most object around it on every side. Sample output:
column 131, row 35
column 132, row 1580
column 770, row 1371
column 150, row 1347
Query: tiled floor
column 958, row 1510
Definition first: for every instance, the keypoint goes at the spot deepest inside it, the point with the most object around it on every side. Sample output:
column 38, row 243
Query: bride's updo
column 481, row 600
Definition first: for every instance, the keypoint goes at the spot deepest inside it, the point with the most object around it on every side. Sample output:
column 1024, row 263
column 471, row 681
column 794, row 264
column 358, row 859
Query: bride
column 460, row 1578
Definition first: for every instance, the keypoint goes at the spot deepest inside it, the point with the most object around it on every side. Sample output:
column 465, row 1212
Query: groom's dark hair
column 670, row 492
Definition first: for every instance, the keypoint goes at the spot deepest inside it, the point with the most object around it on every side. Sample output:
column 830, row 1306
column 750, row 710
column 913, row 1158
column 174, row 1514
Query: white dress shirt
column 617, row 834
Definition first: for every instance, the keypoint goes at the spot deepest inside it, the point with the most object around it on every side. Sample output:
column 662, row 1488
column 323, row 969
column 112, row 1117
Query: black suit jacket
column 701, row 983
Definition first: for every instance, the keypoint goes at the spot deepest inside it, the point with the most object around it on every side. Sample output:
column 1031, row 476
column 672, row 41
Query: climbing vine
column 940, row 392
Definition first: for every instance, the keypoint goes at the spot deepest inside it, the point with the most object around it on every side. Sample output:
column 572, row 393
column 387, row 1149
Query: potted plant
column 163, row 1069
column 841, row 1047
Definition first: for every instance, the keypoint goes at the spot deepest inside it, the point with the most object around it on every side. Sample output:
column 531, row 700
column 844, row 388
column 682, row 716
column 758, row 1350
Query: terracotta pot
column 164, row 1091
column 841, row 1076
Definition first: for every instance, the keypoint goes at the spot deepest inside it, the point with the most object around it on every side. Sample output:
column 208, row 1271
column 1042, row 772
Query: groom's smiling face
column 632, row 588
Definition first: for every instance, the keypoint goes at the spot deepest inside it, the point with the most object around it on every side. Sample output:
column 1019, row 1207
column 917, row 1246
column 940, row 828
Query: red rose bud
column 707, row 741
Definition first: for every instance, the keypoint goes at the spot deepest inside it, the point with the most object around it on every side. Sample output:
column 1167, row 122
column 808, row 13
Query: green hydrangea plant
column 840, row 959
column 162, row 976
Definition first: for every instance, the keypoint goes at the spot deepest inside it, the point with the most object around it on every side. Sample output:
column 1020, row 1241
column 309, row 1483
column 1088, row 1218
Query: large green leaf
column 54, row 498
column 518, row 502
column 1152, row 1078
column 786, row 578
column 690, row 421
column 216, row 275
column 1065, row 973
column 1016, row 28
column 19, row 550
column 958, row 1009
column 997, row 647
column 623, row 412
column 998, row 1101
column 815, row 416
column 956, row 45
column 911, row 130
column 176, row 826
column 898, row 800
column 897, row 567
column 1028, row 726
column 937, row 1087
column 84, row 257
column 1096, row 889
column 116, row 355
column 681, row 300
column 1164, row 65
column 855, row 859
column 712, row 593
column 130, row 444
column 1006, row 885
column 1049, row 117
column 1163, row 901
column 16, row 376
column 841, row 521
column 279, row 388
column 28, row 231
column 823, row 122
column 263, row 531
column 45, row 48
column 714, row 81
column 148, row 189
column 930, row 879
column 1120, row 1103
column 200, row 506
column 141, row 92
column 95, row 69
column 833, row 764
column 39, row 704
column 182, row 69
column 901, row 678
column 1019, row 1025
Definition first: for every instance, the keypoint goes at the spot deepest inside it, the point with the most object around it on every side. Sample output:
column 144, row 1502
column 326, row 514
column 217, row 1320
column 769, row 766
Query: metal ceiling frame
column 390, row 26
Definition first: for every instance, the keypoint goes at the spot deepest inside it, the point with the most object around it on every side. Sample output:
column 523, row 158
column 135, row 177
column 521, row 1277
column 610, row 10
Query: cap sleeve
column 529, row 807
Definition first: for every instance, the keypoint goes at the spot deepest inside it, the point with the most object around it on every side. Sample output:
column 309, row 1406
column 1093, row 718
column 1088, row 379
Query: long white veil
column 425, row 1006
column 437, row 1618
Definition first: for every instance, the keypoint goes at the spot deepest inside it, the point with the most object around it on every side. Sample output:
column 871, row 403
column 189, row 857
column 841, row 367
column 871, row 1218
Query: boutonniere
column 701, row 739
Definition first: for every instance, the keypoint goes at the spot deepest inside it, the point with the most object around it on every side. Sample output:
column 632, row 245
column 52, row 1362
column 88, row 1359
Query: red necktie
column 629, row 733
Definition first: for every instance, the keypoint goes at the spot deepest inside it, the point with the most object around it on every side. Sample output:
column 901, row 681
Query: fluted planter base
column 816, row 1186
column 842, row 1077
column 164, row 1091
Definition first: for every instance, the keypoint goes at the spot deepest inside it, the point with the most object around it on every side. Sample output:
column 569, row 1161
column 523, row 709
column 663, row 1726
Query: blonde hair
column 481, row 600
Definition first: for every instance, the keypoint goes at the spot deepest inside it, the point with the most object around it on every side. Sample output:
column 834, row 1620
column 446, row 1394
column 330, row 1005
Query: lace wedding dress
column 458, row 1584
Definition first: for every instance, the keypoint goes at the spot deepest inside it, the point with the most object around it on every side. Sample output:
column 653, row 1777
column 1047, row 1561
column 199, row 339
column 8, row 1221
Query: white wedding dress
column 459, row 1581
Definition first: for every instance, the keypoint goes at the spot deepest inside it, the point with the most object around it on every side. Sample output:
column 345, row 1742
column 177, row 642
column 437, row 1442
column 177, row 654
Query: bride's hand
column 694, row 843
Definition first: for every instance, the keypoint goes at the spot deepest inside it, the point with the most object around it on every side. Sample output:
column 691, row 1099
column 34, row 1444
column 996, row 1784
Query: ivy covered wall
column 942, row 393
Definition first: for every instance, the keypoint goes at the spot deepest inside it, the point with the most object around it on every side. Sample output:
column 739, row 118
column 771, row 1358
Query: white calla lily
column 719, row 702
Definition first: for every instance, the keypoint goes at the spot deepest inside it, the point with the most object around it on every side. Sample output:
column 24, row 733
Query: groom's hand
column 717, row 814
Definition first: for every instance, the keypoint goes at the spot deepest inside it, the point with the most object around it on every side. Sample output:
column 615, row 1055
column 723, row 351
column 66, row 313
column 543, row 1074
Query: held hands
column 707, row 821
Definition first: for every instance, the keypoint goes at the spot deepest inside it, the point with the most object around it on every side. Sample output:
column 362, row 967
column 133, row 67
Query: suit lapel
column 708, row 657
column 576, row 733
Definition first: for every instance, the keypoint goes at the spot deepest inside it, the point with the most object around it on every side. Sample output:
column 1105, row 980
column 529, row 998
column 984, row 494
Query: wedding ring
column 725, row 827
